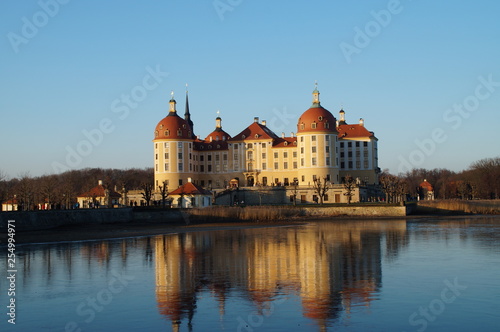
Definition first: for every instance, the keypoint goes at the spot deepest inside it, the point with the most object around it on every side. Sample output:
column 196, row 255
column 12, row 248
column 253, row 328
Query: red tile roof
column 319, row 117
column 255, row 131
column 99, row 191
column 171, row 126
column 353, row 130
column 426, row 185
column 190, row 189
column 286, row 142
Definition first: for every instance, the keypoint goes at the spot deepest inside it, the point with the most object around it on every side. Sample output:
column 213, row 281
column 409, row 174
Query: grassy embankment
column 464, row 206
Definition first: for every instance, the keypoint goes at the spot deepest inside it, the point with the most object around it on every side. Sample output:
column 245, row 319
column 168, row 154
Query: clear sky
column 423, row 74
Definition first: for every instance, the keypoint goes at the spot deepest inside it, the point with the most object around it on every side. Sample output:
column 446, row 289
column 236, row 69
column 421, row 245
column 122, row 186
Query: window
column 224, row 167
column 235, row 156
column 302, row 149
column 342, row 164
column 313, row 125
column 325, row 197
column 342, row 154
column 327, row 149
column 264, row 166
column 327, row 125
column 349, row 154
column 217, row 168
column 302, row 126
column 349, row 144
column 209, row 157
column 341, row 145
column 327, row 161
column 358, row 164
column 250, row 155
column 263, row 155
column 202, row 158
column 166, row 167
column 285, row 165
column 276, row 155
column 295, row 165
column 209, row 168
column 249, row 146
column 365, row 144
column 313, row 161
column 275, row 165
column 365, row 153
column 156, row 145
column 157, row 167
column 179, row 155
column 295, row 154
column 303, row 178
column 236, row 146
column 179, row 145
column 190, row 156
column 302, row 138
column 217, row 158
column 166, row 155
column 365, row 164
column 327, row 139
column 202, row 168
column 179, row 132
column 165, row 145
column 302, row 162
column 313, row 138
column 285, row 154
column 180, row 182
column 313, row 149
column 263, row 145
column 350, row 164
column 357, row 144
column 156, row 156
column 180, row 167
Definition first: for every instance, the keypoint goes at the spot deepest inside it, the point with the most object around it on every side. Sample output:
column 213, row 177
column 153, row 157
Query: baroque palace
column 323, row 148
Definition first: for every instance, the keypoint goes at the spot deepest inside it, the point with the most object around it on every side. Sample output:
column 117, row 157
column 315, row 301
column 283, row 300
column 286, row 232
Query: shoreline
column 112, row 231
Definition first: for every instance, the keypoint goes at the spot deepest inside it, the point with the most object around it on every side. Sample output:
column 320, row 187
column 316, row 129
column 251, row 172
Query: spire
column 218, row 121
column 187, row 115
column 172, row 104
column 316, row 96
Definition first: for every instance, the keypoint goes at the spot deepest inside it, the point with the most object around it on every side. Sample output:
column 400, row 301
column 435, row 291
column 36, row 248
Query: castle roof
column 190, row 189
column 347, row 131
column 255, row 131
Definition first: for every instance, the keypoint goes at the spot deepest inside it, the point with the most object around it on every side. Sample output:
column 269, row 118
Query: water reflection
column 331, row 266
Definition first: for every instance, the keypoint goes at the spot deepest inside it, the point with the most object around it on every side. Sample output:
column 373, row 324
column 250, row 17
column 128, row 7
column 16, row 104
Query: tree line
column 60, row 190
column 480, row 181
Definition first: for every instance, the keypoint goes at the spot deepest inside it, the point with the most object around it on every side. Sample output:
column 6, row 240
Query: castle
column 323, row 147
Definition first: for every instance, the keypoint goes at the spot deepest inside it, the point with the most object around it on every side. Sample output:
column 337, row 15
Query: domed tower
column 173, row 149
column 317, row 140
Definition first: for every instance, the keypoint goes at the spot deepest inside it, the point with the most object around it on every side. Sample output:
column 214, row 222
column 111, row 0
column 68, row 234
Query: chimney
column 264, row 122
column 361, row 122
column 292, row 134
column 99, row 182
column 256, row 119
column 282, row 135
column 189, row 179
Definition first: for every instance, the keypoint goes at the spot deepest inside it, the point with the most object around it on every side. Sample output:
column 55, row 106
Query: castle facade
column 323, row 147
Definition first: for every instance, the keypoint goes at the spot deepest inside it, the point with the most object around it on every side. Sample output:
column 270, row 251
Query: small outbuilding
column 190, row 195
column 99, row 196
column 426, row 191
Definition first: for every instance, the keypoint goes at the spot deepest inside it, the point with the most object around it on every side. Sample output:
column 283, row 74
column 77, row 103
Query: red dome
column 316, row 119
column 173, row 127
column 218, row 135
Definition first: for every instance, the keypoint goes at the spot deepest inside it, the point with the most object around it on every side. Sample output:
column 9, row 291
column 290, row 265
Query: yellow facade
column 322, row 148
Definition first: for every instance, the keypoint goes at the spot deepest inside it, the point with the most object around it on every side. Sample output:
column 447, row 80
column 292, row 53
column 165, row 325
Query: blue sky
column 400, row 65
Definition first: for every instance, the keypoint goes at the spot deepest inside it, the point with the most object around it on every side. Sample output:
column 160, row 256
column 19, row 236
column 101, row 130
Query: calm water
column 427, row 275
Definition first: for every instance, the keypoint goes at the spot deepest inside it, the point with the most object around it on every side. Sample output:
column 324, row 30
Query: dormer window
column 161, row 126
column 294, row 142
column 256, row 135
column 179, row 132
column 218, row 146
column 167, row 132
column 243, row 136
column 302, row 126
column 156, row 133
column 313, row 125
column 327, row 125
column 286, row 143
column 184, row 126
column 320, row 118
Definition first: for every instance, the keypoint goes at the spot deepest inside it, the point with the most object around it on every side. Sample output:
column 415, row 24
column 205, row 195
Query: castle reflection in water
column 331, row 266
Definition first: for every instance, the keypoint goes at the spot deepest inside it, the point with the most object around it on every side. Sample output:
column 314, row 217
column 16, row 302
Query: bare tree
column 147, row 192
column 295, row 190
column 350, row 186
column 321, row 187
column 163, row 192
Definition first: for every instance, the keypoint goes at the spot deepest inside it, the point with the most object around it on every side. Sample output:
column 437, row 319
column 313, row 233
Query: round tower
column 173, row 149
column 317, row 141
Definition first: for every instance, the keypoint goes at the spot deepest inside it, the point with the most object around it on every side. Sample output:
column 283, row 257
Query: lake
column 429, row 274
